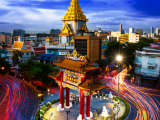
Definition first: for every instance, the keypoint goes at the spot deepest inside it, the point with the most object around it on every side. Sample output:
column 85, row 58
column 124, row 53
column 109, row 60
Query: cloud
column 46, row 14
column 4, row 23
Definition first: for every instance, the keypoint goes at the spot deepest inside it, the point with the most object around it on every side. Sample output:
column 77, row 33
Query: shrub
column 126, row 111
column 43, row 108
column 42, row 112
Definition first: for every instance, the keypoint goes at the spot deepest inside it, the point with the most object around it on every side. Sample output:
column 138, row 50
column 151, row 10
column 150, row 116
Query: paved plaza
column 75, row 110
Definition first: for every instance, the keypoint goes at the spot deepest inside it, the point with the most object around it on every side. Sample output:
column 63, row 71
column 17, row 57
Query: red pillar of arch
column 82, row 103
column 61, row 90
column 88, row 105
column 67, row 96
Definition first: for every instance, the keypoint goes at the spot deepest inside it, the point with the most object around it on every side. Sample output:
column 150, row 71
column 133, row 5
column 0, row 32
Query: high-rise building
column 140, row 32
column 131, row 30
column 152, row 29
column 136, row 31
column 133, row 37
column 54, row 31
column 88, row 44
column 157, row 31
column 17, row 32
column 120, row 28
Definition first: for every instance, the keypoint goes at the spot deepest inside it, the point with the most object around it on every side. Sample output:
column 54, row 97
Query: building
column 147, row 65
column 88, row 44
column 157, row 31
column 145, row 36
column 75, row 74
column 55, row 31
column 124, row 38
column 15, row 38
column 133, row 37
column 101, row 34
column 116, row 34
column 73, row 21
column 28, row 37
column 3, row 53
column 140, row 32
column 42, row 37
column 54, row 47
column 120, row 28
column 111, row 38
column 17, row 32
column 9, row 34
column 46, row 58
column 26, row 54
column 5, row 47
column 6, row 39
column 152, row 29
column 136, row 31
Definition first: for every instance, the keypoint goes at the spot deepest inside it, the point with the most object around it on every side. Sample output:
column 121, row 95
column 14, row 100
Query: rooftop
column 76, row 65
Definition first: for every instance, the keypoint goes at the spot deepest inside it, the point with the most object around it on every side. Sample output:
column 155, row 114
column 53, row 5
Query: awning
column 47, row 57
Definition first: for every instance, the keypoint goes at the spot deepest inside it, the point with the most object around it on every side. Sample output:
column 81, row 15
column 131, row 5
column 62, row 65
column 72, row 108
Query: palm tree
column 16, row 56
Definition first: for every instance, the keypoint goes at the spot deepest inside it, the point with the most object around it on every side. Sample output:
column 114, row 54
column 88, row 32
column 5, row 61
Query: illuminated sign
column 70, row 86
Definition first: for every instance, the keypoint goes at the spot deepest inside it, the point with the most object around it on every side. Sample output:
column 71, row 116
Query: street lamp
column 49, row 94
column 2, row 68
column 67, row 111
column 119, row 59
column 39, row 95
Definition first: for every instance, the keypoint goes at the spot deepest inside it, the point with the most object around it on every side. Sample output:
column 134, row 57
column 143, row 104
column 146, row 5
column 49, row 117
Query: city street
column 20, row 99
column 145, row 103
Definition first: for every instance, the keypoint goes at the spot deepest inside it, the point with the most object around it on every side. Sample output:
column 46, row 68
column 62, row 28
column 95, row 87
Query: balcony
column 154, row 74
column 152, row 64
column 59, row 46
column 137, row 63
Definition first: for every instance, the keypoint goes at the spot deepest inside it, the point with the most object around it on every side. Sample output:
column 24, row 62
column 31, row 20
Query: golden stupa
column 74, row 12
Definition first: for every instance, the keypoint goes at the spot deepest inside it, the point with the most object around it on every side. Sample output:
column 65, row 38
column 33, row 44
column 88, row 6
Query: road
column 145, row 103
column 20, row 100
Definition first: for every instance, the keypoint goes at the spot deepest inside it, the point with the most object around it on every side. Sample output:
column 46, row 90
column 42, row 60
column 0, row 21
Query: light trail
column 144, row 101
column 17, row 106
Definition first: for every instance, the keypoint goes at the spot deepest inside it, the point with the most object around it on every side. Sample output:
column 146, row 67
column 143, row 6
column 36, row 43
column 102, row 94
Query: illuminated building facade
column 124, row 38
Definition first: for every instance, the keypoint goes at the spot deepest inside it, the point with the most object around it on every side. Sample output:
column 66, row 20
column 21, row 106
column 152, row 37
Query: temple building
column 77, row 73
column 73, row 20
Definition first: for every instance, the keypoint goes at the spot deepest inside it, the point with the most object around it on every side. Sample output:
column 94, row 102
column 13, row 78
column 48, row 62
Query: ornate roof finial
column 74, row 12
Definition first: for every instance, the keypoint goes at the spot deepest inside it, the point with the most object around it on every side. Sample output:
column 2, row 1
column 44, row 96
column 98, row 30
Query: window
column 151, row 60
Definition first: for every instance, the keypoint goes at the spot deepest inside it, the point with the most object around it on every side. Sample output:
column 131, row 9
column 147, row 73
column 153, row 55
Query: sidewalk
column 75, row 110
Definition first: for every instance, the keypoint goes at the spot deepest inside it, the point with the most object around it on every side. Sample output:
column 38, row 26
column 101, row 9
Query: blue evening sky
column 41, row 15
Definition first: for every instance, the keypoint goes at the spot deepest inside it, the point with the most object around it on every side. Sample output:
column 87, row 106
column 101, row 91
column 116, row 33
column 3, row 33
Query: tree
column 4, row 66
column 127, row 51
column 16, row 56
column 25, row 68
column 41, row 72
column 113, row 48
column 102, row 63
column 37, row 71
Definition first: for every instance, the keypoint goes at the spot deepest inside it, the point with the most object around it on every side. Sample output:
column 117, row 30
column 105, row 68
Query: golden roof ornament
column 74, row 12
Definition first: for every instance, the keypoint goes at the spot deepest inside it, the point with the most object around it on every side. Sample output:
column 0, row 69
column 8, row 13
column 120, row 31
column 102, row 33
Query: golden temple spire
column 74, row 12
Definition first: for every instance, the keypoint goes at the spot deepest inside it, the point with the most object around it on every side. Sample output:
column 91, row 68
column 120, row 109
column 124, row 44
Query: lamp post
column 49, row 94
column 2, row 68
column 119, row 59
column 39, row 95
column 67, row 111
